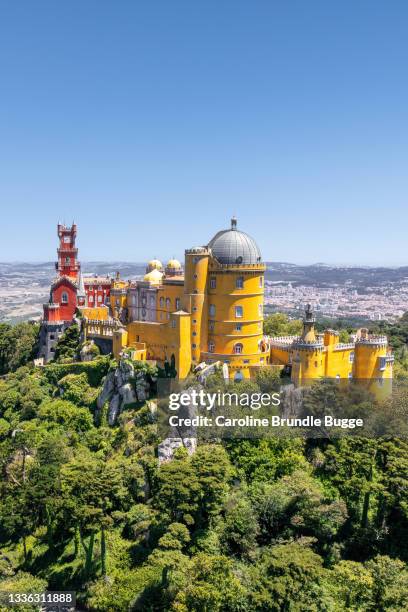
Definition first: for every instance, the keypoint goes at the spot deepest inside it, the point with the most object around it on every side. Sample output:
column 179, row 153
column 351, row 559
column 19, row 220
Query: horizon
column 164, row 259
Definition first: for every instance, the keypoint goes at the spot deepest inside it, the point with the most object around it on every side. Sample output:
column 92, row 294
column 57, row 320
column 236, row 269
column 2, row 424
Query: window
column 212, row 310
column 194, row 321
column 351, row 357
column 64, row 297
column 238, row 348
column 173, row 323
column 238, row 327
column 161, row 302
column 246, row 360
column 211, row 347
column 239, row 312
column 67, row 239
column 239, row 283
column 117, row 302
column 194, row 333
column 90, row 298
column 211, row 326
column 167, row 302
column 100, row 288
column 99, row 298
column 383, row 362
column 194, row 346
column 152, row 300
column 67, row 260
column 196, row 259
column 194, row 308
column 177, row 303
column 350, row 375
column 213, row 282
column 195, row 276
column 261, row 281
column 168, row 315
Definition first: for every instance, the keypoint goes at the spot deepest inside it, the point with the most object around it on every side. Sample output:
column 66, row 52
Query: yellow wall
column 225, row 328
column 195, row 299
column 97, row 313
column 163, row 340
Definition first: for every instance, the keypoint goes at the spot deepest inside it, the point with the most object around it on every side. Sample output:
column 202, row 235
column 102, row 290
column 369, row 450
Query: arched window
column 64, row 297
column 212, row 310
column 167, row 302
column 239, row 283
column 239, row 312
column 211, row 347
column 238, row 348
column 161, row 302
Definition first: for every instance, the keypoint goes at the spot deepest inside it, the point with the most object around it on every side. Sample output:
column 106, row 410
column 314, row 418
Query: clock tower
column 67, row 264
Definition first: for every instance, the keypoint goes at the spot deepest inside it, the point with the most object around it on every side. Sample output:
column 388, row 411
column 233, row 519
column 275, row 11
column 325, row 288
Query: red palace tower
column 68, row 291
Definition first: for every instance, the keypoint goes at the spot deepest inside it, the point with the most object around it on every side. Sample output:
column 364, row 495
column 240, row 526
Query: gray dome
column 234, row 247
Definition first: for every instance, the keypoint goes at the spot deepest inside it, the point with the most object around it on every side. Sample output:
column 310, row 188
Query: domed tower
column 173, row 268
column 154, row 264
column 235, row 294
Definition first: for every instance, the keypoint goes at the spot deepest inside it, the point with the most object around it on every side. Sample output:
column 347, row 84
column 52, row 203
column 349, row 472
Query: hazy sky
column 151, row 123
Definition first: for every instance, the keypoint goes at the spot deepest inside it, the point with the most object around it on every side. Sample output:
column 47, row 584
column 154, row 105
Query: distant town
column 352, row 293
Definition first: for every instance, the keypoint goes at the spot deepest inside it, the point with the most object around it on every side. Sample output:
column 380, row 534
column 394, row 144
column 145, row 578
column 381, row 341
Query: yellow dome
column 173, row 264
column 154, row 264
column 154, row 276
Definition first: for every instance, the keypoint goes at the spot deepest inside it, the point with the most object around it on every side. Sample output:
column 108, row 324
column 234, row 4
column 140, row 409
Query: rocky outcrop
column 88, row 351
column 122, row 387
column 168, row 447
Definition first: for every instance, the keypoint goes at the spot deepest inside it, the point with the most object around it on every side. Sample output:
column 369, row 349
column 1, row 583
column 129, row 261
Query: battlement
column 372, row 340
column 197, row 251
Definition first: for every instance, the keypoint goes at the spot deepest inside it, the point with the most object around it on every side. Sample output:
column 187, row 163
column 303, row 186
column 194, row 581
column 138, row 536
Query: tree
column 68, row 344
column 289, row 577
column 279, row 324
column 18, row 345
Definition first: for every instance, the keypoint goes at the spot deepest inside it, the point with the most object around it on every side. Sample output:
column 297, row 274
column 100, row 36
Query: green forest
column 282, row 524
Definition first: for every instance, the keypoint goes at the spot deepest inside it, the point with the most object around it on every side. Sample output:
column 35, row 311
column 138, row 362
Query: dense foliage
column 18, row 345
column 244, row 525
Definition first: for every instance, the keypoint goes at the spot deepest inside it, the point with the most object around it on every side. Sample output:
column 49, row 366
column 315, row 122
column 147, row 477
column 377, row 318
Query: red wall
column 66, row 310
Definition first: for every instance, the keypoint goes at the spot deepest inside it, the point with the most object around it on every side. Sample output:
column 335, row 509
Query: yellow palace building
column 312, row 355
column 211, row 311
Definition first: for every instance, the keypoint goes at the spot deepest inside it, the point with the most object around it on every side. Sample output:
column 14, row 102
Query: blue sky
column 151, row 123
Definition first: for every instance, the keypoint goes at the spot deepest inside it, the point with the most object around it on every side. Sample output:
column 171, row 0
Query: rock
column 121, row 387
column 88, row 351
column 114, row 406
column 168, row 447
column 127, row 395
column 107, row 390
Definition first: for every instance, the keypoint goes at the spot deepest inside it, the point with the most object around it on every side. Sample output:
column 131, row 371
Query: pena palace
column 208, row 311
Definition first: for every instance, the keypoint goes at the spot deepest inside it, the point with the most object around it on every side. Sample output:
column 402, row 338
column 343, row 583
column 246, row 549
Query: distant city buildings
column 375, row 303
